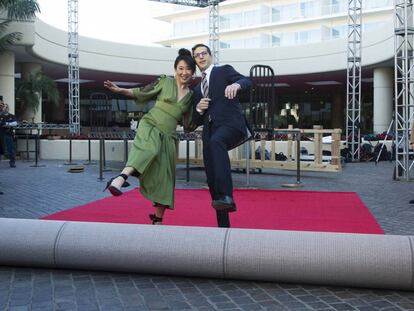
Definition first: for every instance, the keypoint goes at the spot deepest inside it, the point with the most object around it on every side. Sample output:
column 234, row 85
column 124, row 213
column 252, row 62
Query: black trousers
column 6, row 140
column 217, row 140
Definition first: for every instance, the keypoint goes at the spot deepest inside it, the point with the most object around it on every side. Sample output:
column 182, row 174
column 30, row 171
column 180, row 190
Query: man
column 7, row 122
column 218, row 109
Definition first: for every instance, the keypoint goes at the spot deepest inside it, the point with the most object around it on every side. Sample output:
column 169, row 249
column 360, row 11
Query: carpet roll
column 343, row 259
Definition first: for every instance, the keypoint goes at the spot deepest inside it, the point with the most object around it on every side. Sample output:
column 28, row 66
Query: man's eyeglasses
column 198, row 55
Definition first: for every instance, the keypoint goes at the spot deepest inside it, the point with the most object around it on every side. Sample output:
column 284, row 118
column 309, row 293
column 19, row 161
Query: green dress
column 153, row 152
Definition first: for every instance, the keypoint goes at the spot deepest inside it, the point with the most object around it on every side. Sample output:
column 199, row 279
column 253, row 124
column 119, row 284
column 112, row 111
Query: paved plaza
column 33, row 192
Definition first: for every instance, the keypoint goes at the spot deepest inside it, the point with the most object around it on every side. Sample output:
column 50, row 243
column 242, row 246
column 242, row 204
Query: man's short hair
column 200, row 45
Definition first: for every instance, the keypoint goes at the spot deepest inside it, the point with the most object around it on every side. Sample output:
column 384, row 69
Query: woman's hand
column 112, row 86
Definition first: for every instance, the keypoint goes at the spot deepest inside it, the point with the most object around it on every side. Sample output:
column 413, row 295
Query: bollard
column 103, row 154
column 248, row 163
column 105, row 169
column 188, row 160
column 70, row 149
column 100, row 178
column 125, row 148
column 27, row 148
column 89, row 162
column 37, row 147
column 70, row 152
column 298, row 183
column 89, row 151
column 298, row 158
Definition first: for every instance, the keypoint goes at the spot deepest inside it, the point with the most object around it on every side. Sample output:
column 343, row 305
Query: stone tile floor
column 32, row 192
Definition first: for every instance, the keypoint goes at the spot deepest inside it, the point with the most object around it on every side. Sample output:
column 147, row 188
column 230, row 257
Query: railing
column 279, row 148
column 40, row 126
column 270, row 147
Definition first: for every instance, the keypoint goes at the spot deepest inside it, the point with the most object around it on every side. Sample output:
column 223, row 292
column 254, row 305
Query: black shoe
column 155, row 220
column 114, row 190
column 225, row 203
column 411, row 202
column 12, row 164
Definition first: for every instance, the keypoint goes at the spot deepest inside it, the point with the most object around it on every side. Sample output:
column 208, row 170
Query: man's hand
column 231, row 91
column 112, row 86
column 203, row 105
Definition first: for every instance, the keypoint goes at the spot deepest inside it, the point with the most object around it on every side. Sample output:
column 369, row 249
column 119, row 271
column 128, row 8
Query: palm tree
column 17, row 10
column 29, row 91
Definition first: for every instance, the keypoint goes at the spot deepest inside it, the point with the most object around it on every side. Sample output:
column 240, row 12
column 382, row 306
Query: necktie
column 204, row 84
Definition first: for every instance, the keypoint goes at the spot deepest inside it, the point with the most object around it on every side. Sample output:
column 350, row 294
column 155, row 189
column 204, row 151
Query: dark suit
column 224, row 127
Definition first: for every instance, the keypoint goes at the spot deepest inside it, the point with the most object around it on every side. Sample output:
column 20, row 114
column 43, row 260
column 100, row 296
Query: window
column 236, row 20
column 289, row 12
column 224, row 22
column 275, row 15
column 224, row 45
column 372, row 4
column 235, row 44
column 190, row 27
column 275, row 40
column 251, row 18
column 335, row 33
column 252, row 43
column 335, row 7
column 306, row 9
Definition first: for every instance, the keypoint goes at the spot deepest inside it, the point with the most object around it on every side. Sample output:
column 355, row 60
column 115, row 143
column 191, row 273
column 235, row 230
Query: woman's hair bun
column 184, row 52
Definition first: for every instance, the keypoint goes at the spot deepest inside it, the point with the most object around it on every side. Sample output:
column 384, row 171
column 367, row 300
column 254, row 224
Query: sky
column 126, row 21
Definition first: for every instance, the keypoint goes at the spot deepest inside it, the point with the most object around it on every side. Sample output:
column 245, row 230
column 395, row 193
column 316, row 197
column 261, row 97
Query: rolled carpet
column 343, row 259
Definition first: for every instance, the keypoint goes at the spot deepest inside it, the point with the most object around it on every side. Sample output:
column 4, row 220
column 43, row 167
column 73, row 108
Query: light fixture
column 66, row 80
column 318, row 83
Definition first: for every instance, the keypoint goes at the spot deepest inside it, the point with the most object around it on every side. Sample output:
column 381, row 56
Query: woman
column 153, row 153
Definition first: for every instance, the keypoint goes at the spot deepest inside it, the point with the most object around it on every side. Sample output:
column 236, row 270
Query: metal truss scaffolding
column 197, row 3
column 353, row 91
column 213, row 20
column 73, row 70
column 404, row 86
column 213, row 24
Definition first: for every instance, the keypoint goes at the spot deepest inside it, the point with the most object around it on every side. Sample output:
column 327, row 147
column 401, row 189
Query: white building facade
column 292, row 25
column 305, row 42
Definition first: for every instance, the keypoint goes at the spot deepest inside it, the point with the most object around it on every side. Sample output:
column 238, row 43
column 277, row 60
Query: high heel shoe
column 115, row 191
column 155, row 220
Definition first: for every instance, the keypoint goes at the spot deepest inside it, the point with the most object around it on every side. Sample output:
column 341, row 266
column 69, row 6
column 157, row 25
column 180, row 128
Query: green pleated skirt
column 153, row 155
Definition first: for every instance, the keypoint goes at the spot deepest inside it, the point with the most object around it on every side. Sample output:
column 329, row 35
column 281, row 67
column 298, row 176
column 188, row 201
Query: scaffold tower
column 73, row 69
column 404, row 87
column 353, row 90
column 214, row 29
column 197, row 3
column 213, row 21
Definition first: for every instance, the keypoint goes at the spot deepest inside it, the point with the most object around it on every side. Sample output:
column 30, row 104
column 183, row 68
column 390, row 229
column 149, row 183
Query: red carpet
column 257, row 209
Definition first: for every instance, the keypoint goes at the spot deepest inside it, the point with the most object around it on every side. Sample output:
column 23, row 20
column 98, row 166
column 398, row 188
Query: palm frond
column 20, row 9
column 9, row 39
column 3, row 26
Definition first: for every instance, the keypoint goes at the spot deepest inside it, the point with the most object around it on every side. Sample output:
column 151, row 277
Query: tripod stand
column 384, row 140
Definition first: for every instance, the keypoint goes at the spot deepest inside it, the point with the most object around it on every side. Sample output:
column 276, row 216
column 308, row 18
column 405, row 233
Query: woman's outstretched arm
column 118, row 90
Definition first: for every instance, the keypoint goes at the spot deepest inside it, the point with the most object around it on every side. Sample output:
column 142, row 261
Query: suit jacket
column 221, row 110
